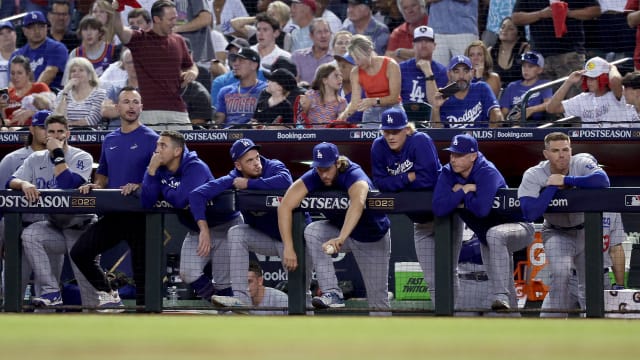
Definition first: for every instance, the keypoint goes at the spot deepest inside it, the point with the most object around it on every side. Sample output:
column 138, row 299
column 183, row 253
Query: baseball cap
column 34, row 17
column 246, row 53
column 348, row 58
column 282, row 62
column 369, row 3
column 309, row 3
column 423, row 32
column 7, row 25
column 459, row 59
column 240, row 147
column 283, row 77
column 324, row 155
column 393, row 119
column 238, row 43
column 463, row 144
column 595, row 67
column 40, row 117
column 534, row 58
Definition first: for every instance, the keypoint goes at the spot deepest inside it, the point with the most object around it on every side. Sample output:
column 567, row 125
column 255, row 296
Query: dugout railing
column 592, row 202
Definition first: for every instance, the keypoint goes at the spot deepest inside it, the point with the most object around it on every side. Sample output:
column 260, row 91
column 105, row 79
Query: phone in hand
column 449, row 90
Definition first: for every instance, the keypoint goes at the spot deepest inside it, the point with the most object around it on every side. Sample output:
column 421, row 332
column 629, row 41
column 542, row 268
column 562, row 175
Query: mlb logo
column 574, row 133
column 632, row 200
column 273, row 201
column 355, row 135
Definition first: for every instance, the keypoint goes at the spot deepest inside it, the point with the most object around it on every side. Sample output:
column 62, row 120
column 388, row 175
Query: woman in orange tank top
column 378, row 76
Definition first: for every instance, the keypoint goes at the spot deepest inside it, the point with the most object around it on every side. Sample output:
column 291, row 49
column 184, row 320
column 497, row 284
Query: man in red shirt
column 400, row 45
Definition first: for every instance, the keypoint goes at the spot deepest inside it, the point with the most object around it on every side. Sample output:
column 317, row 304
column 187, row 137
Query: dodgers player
column 260, row 232
column 469, row 179
column 562, row 234
column 262, row 296
column 173, row 173
column 59, row 167
column 365, row 234
column 403, row 159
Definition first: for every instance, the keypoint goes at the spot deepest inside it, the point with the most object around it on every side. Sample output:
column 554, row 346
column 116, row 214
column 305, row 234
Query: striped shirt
column 89, row 108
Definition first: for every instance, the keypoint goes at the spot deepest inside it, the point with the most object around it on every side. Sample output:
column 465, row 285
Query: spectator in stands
column 455, row 24
column 416, row 72
column 93, row 47
column 245, row 26
column 268, row 30
column 193, row 23
column 228, row 77
column 335, row 24
column 63, row 167
column 174, row 172
column 507, row 51
column 163, row 65
column 322, row 103
column 401, row 45
column 309, row 59
column 48, row 56
column 403, row 159
column 224, row 11
column 364, row 233
column 7, row 47
column 105, row 13
column 25, row 97
column 130, row 80
column 601, row 103
column 80, row 101
column 483, row 66
column 276, row 107
column 125, row 155
column 633, row 20
column 340, row 43
column 236, row 103
column 302, row 13
column 473, row 105
column 140, row 18
column 346, row 64
column 59, row 16
column 378, row 76
column 468, row 185
column 511, row 99
column 631, row 84
column 498, row 11
column 360, row 20
column 283, row 62
column 561, row 55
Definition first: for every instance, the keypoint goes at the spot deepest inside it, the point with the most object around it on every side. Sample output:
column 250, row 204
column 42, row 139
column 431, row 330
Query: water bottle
column 172, row 295
column 27, row 295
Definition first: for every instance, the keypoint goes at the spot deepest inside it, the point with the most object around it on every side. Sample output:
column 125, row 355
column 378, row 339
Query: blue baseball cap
column 393, row 119
column 463, row 144
column 7, row 25
column 39, row 118
column 459, row 59
column 34, row 17
column 241, row 147
column 324, row 155
column 348, row 58
column 534, row 58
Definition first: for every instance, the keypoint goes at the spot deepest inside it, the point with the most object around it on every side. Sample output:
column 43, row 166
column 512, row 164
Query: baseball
column 329, row 250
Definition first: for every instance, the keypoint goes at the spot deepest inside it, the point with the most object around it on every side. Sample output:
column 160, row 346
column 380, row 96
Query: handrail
column 528, row 94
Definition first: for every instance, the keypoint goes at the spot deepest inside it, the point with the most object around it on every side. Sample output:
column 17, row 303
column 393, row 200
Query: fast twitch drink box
column 410, row 284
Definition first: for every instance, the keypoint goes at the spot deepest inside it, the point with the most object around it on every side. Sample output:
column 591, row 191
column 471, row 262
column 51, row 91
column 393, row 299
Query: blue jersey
column 125, row 156
column 239, row 103
column 414, row 87
column 49, row 53
column 478, row 212
column 371, row 226
column 275, row 176
column 472, row 111
column 175, row 188
column 514, row 92
column 390, row 169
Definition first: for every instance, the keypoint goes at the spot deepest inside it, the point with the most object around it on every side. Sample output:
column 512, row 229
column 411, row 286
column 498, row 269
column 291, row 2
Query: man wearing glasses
column 59, row 16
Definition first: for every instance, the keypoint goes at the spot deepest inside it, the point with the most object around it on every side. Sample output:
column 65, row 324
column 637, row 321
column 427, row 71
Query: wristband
column 430, row 78
column 57, row 156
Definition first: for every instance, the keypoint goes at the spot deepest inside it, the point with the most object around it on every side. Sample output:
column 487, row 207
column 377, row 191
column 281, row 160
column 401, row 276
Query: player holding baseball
column 363, row 233
column 562, row 234
column 471, row 181
column 403, row 159
column 259, row 234
column 60, row 166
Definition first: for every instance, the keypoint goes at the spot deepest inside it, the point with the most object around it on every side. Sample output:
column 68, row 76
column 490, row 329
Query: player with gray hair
column 562, row 234
column 60, row 166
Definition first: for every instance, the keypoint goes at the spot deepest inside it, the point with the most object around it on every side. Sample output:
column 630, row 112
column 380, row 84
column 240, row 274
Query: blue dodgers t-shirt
column 514, row 92
column 472, row 111
column 413, row 86
column 239, row 103
column 50, row 53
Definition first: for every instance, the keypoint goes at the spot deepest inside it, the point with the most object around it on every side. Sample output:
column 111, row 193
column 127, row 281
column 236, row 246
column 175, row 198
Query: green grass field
column 82, row 336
